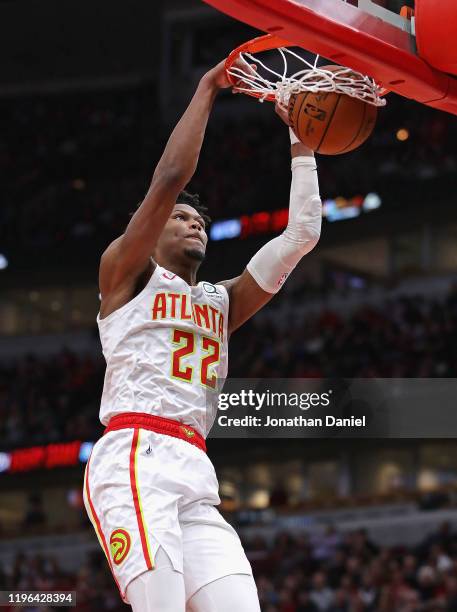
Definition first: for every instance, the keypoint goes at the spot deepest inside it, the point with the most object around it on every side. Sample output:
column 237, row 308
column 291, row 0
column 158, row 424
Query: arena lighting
column 270, row 222
column 371, row 202
column 5, row 462
column 47, row 457
column 3, row 262
column 333, row 211
column 222, row 230
column 402, row 134
column 85, row 451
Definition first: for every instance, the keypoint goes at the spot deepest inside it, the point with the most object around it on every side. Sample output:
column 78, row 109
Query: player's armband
column 275, row 261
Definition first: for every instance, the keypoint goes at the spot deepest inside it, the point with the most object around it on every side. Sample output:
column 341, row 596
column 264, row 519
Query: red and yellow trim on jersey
column 97, row 526
column 137, row 499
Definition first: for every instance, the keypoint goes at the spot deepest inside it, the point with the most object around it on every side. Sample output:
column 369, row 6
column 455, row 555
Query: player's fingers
column 282, row 112
column 250, row 69
column 279, row 110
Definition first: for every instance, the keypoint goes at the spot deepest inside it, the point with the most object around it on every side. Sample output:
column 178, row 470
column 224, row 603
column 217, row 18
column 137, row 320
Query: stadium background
column 89, row 94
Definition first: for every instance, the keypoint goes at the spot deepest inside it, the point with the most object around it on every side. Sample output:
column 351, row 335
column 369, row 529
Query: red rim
column 255, row 45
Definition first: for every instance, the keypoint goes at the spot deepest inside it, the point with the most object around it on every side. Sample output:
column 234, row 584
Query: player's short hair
column 191, row 199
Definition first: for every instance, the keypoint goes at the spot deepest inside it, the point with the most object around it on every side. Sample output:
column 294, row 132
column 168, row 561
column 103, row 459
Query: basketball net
column 311, row 78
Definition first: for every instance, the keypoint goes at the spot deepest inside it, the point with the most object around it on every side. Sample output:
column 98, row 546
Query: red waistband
column 158, row 424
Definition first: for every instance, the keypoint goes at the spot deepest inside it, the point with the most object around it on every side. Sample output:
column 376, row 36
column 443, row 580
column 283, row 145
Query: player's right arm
column 271, row 265
column 128, row 257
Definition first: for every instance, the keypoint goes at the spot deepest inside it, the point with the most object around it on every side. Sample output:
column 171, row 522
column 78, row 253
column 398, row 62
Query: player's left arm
column 271, row 265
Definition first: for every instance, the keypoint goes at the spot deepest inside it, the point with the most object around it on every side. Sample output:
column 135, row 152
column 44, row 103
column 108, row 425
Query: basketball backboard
column 358, row 34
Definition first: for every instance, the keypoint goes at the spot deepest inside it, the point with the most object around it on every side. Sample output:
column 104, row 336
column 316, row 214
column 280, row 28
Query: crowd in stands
column 72, row 167
column 50, row 399
column 94, row 586
column 297, row 572
column 410, row 337
column 332, row 572
column 44, row 399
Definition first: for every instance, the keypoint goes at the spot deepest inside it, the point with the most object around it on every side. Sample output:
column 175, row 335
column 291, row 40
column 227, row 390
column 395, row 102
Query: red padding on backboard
column 436, row 33
column 340, row 32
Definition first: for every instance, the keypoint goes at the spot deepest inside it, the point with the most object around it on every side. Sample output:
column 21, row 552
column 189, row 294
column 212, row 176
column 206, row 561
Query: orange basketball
column 331, row 123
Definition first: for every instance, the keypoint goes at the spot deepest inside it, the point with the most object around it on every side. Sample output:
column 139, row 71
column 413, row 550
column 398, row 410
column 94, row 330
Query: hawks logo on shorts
column 188, row 432
column 119, row 542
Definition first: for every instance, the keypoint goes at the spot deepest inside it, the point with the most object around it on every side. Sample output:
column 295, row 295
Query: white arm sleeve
column 275, row 261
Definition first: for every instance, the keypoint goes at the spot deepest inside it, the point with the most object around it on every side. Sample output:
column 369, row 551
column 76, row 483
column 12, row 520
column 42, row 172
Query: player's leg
column 217, row 573
column 134, row 517
column 236, row 592
column 159, row 589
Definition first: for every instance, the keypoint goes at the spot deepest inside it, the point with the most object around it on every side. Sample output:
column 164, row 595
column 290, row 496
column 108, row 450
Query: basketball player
column 150, row 489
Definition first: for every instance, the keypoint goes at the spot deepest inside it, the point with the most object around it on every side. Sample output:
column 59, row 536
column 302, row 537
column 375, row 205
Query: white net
column 312, row 78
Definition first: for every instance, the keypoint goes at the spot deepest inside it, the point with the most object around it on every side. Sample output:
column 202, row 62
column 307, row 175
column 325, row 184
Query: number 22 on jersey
column 185, row 343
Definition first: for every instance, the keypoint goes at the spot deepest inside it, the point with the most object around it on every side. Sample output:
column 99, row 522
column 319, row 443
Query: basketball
column 331, row 123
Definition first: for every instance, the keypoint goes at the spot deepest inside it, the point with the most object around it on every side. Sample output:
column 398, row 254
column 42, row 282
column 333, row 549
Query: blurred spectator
column 321, row 595
column 304, row 603
column 326, row 544
column 426, row 582
column 34, row 513
column 341, row 602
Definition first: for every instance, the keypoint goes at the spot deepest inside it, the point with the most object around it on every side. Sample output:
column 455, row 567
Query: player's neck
column 184, row 271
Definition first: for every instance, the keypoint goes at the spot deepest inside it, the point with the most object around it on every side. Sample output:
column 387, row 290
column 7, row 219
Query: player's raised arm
column 268, row 269
column 128, row 257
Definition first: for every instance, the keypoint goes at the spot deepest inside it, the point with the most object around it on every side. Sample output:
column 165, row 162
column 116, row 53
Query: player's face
column 184, row 233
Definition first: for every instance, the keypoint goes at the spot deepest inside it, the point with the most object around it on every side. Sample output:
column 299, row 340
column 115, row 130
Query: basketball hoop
column 311, row 78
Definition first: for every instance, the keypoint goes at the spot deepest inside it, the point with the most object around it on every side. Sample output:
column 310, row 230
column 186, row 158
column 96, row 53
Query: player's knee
column 235, row 592
column 159, row 589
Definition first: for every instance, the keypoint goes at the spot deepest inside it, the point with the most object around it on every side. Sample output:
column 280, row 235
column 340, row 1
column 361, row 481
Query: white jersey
column 166, row 351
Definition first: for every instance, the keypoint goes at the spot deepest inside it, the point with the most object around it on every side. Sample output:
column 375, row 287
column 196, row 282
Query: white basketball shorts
column 143, row 490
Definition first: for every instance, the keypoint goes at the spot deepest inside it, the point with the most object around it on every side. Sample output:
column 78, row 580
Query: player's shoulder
column 108, row 267
column 111, row 249
column 216, row 291
column 107, row 260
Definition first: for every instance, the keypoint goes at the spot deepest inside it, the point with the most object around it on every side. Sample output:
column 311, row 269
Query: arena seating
column 45, row 399
column 297, row 572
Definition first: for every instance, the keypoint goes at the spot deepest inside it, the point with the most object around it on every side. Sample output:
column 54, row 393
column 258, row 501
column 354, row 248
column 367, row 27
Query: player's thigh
column 211, row 548
column 160, row 589
column 131, row 514
column 236, row 592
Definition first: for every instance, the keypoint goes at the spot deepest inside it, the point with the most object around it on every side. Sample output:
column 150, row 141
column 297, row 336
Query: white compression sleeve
column 161, row 589
column 275, row 261
column 235, row 592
